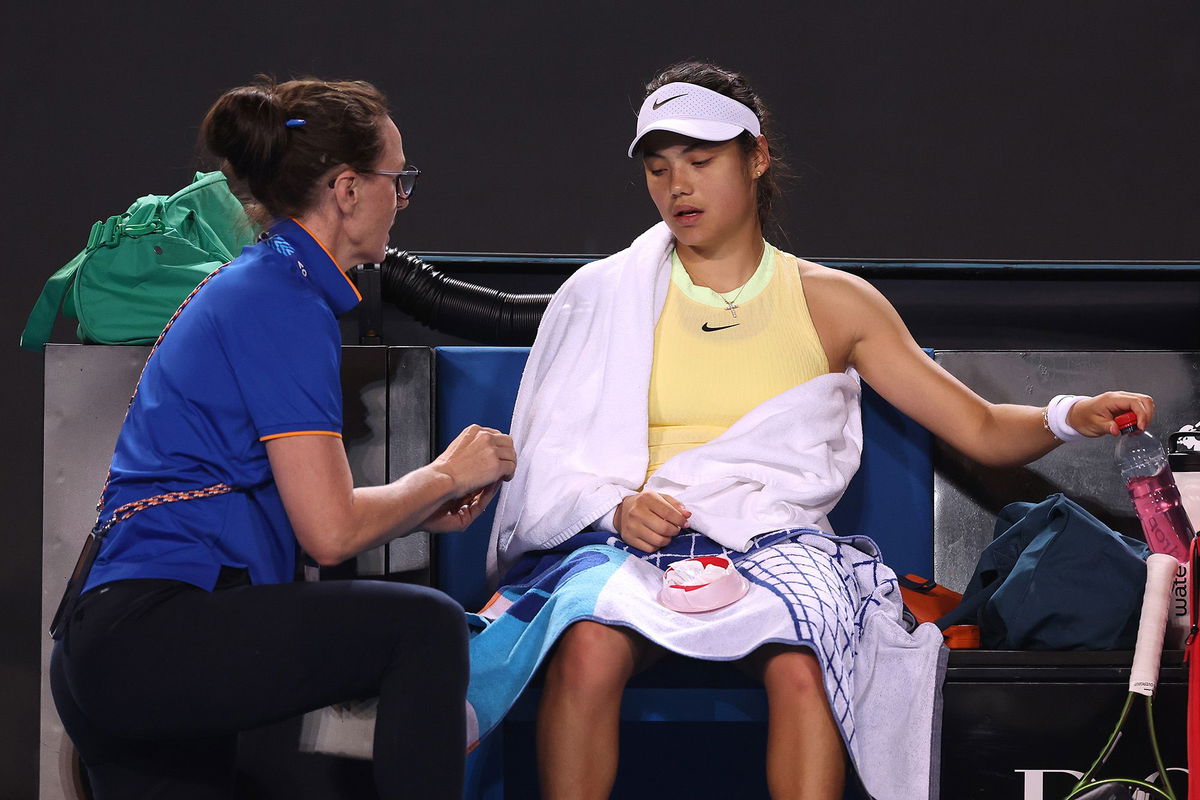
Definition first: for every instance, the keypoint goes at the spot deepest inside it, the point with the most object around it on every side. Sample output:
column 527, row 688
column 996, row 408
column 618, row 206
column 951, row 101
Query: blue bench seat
column 889, row 499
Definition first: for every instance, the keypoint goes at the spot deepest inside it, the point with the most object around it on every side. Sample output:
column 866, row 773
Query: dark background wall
column 934, row 129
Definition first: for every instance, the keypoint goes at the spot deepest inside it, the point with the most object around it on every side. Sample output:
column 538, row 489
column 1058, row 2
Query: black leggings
column 154, row 679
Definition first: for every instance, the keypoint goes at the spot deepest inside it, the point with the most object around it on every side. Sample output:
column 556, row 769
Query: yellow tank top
column 711, row 367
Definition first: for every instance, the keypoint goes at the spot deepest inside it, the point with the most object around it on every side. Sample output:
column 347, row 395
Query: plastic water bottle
column 1151, row 485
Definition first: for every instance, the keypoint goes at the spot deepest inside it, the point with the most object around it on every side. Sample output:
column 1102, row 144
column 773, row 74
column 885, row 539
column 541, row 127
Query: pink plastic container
column 727, row 587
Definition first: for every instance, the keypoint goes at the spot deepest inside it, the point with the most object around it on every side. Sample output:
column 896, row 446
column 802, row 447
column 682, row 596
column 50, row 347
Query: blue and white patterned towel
column 830, row 594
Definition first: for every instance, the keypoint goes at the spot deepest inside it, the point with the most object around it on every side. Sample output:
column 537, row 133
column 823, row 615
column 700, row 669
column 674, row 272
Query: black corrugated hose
column 446, row 304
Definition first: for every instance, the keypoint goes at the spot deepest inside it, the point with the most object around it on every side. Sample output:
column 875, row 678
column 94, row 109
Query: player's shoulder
column 832, row 285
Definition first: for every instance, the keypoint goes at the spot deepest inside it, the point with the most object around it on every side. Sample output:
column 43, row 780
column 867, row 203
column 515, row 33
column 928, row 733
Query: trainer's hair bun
column 247, row 128
column 282, row 165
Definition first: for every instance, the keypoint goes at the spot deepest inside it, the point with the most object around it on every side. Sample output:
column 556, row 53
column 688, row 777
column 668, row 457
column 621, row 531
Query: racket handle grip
column 1160, row 572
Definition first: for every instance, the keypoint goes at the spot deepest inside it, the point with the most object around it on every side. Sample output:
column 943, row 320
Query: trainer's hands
column 1095, row 416
column 459, row 513
column 649, row 520
column 477, row 458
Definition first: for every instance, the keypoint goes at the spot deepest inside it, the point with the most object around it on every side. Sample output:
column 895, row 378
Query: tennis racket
column 1143, row 679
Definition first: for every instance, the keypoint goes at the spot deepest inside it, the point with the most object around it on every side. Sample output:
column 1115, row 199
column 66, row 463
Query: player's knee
column 795, row 674
column 591, row 656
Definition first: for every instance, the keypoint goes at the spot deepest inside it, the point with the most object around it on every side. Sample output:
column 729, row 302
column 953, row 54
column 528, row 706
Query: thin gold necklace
column 731, row 305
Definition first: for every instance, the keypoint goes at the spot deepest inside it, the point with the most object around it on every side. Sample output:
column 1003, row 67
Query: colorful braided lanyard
column 101, row 529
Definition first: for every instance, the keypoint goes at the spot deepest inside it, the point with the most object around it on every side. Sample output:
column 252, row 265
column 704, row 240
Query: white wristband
column 1056, row 417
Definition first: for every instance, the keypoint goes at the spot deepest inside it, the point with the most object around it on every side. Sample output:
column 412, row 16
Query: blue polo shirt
column 254, row 356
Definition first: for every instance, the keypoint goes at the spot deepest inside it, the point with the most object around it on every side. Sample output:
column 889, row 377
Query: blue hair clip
column 295, row 123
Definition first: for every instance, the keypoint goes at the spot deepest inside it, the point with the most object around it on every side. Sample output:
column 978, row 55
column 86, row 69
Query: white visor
column 694, row 111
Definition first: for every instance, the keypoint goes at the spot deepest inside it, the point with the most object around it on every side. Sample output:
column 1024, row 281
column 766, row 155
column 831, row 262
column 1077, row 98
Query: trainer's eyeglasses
column 406, row 179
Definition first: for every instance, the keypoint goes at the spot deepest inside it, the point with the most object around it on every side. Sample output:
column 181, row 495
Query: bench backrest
column 890, row 499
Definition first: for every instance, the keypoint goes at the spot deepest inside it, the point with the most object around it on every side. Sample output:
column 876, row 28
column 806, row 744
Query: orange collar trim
column 331, row 258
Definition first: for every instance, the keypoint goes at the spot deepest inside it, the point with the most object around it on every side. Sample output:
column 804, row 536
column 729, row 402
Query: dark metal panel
column 1051, row 666
column 409, row 439
column 967, row 496
column 364, row 431
column 1098, row 313
column 388, row 431
column 1023, row 740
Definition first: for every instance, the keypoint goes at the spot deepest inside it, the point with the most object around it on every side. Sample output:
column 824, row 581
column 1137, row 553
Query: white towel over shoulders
column 580, row 426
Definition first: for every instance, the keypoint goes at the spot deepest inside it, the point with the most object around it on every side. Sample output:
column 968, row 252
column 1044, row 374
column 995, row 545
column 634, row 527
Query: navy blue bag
column 1054, row 578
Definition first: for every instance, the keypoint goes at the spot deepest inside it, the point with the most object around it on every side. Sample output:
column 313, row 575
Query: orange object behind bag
column 962, row 637
column 929, row 601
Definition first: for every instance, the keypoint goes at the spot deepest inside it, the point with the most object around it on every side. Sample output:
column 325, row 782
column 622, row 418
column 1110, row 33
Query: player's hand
column 1095, row 416
column 648, row 521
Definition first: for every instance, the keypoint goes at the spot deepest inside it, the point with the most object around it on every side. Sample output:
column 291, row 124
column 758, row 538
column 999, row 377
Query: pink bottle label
column 1164, row 522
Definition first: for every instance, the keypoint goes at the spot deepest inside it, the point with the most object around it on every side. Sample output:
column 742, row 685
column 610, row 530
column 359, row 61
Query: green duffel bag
column 139, row 266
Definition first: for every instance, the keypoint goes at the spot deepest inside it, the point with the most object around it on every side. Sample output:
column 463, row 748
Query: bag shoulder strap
column 923, row 586
column 41, row 319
